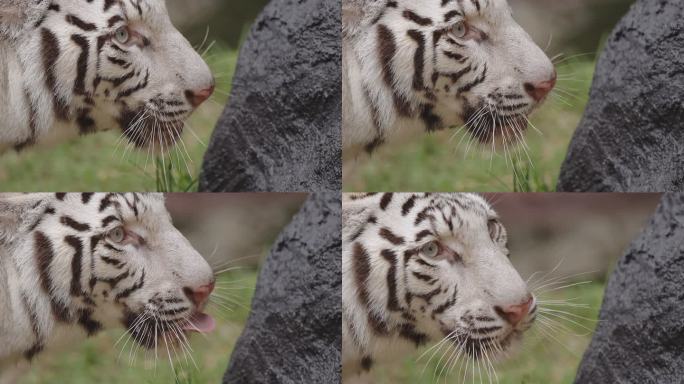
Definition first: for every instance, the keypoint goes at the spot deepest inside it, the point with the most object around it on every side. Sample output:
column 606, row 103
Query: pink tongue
column 200, row 322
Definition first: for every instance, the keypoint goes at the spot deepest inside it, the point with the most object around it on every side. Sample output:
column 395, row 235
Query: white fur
column 168, row 260
column 511, row 57
column 485, row 278
column 171, row 63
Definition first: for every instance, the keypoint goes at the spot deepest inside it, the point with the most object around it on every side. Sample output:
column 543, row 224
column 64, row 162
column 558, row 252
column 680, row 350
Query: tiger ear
column 15, row 15
column 355, row 13
column 354, row 216
column 15, row 209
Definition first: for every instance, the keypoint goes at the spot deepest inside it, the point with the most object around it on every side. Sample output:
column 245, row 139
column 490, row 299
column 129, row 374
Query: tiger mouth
column 490, row 347
column 152, row 332
column 148, row 131
column 490, row 128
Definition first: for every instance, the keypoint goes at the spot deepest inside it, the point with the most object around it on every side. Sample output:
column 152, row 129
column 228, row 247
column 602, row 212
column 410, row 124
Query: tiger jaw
column 151, row 332
column 144, row 129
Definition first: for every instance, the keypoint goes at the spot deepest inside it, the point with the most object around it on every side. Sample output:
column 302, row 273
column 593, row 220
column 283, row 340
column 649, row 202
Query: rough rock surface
column 641, row 333
column 632, row 135
column 281, row 129
column 293, row 332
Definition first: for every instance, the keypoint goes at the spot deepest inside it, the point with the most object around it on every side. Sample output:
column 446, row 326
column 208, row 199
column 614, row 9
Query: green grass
column 97, row 360
column 96, row 163
column 438, row 163
column 539, row 360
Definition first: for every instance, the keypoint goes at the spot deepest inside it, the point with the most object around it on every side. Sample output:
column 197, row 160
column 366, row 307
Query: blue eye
column 430, row 250
column 122, row 36
column 460, row 30
column 117, row 235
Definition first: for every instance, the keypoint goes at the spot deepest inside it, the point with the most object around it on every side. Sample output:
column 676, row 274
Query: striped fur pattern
column 418, row 268
column 72, row 265
column 424, row 65
column 74, row 67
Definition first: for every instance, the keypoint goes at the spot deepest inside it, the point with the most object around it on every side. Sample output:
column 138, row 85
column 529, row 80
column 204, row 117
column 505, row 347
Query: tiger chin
column 73, row 67
column 427, row 269
column 412, row 66
column 73, row 265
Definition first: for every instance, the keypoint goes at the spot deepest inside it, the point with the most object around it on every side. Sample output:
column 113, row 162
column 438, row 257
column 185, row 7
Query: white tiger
column 70, row 67
column 74, row 264
column 419, row 268
column 425, row 65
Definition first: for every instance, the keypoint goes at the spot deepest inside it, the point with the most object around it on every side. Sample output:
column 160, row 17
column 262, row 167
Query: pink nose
column 539, row 91
column 199, row 295
column 198, row 97
column 515, row 313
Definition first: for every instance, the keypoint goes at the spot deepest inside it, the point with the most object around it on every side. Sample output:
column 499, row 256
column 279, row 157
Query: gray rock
column 632, row 135
column 281, row 130
column 293, row 332
column 640, row 338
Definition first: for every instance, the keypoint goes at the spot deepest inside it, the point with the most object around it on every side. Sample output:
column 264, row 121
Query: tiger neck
column 374, row 113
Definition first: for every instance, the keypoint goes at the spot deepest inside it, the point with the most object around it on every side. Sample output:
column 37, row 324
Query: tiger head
column 452, row 277
column 108, row 260
column 110, row 64
column 446, row 63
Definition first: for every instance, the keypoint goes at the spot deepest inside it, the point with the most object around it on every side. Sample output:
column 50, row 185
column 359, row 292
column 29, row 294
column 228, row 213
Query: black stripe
column 85, row 197
column 116, row 263
column 423, row 234
column 138, row 87
column 108, row 4
column 74, row 20
column 82, row 63
column 420, row 20
column 76, row 264
column 108, row 220
column 418, row 59
column 388, row 235
column 114, row 281
column 387, row 50
column 392, row 300
column 35, row 327
column 361, row 269
column 127, row 292
column 43, row 256
column 113, row 20
column 385, row 200
column 50, row 51
column 86, row 321
column 69, row 222
column 408, row 205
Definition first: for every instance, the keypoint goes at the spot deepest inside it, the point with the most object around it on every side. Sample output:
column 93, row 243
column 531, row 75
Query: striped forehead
column 449, row 10
column 151, row 12
column 140, row 207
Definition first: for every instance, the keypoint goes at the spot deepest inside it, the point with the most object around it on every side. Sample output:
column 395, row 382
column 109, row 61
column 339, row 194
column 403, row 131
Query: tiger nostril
column 514, row 314
column 199, row 295
column 540, row 90
column 197, row 97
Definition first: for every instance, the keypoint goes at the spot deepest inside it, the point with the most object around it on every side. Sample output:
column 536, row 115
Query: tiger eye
column 121, row 35
column 460, row 29
column 430, row 250
column 117, row 235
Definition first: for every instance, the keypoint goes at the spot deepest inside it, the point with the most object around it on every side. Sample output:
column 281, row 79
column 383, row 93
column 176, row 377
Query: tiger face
column 115, row 64
column 424, row 268
column 443, row 63
column 109, row 260
column 460, row 269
